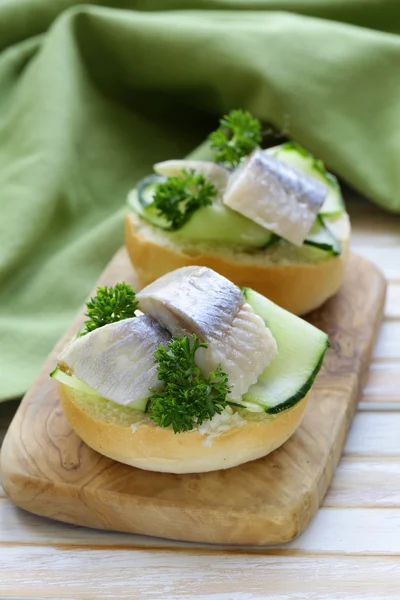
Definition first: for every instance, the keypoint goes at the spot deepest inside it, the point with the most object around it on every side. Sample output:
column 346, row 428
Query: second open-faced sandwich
column 273, row 220
column 192, row 374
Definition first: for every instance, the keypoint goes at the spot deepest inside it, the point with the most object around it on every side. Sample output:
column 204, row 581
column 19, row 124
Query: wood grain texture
column 392, row 306
column 49, row 471
column 374, row 434
column 383, row 383
column 126, row 574
column 387, row 259
column 388, row 342
column 333, row 530
column 372, row 482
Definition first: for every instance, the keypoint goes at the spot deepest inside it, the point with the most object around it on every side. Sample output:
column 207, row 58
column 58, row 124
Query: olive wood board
column 49, row 471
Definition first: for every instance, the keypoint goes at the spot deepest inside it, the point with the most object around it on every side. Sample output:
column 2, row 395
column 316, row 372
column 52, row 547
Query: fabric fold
column 92, row 95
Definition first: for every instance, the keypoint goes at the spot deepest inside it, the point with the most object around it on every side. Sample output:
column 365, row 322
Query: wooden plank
column 392, row 305
column 47, row 469
column 387, row 259
column 374, row 434
column 21, row 527
column 351, row 530
column 357, row 483
column 333, row 530
column 123, row 574
column 388, row 342
column 383, row 383
column 371, row 435
column 365, row 483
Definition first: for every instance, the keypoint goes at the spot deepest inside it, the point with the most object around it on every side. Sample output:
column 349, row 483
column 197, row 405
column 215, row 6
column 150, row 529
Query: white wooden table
column 350, row 551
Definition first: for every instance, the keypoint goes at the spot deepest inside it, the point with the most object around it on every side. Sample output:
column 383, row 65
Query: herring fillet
column 117, row 360
column 197, row 300
column 276, row 196
column 212, row 172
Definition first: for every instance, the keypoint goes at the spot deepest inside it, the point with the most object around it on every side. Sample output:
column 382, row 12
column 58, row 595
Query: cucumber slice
column 73, row 382
column 216, row 223
column 146, row 189
column 321, row 237
column 145, row 193
column 76, row 384
column 301, row 350
column 297, row 157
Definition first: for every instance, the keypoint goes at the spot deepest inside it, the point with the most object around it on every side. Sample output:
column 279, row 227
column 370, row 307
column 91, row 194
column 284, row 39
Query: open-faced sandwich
column 192, row 374
column 273, row 220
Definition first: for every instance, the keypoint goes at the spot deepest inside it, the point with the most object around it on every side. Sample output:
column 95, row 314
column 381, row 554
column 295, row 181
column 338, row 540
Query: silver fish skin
column 117, row 360
column 199, row 300
column 276, row 196
column 192, row 300
column 212, row 172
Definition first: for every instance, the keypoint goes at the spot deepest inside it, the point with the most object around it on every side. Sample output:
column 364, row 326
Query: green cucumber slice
column 216, row 223
column 146, row 188
column 297, row 157
column 145, row 193
column 73, row 382
column 77, row 384
column 301, row 350
column 321, row 237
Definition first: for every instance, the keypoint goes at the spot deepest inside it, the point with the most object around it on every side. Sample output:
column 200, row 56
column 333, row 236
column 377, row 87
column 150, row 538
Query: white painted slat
column 351, row 531
column 123, row 574
column 385, row 258
column 374, row 434
column 392, row 305
column 19, row 526
column 333, row 530
column 365, row 483
column 388, row 342
column 383, row 383
column 193, row 576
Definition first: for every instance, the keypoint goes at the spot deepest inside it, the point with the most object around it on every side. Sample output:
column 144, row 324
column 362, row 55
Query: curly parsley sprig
column 238, row 134
column 177, row 198
column 110, row 304
column 188, row 397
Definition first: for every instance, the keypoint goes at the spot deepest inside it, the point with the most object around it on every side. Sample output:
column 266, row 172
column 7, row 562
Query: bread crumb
column 227, row 419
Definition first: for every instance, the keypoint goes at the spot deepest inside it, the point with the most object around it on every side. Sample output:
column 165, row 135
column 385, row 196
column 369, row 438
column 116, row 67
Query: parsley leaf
column 177, row 198
column 110, row 305
column 188, row 397
column 238, row 134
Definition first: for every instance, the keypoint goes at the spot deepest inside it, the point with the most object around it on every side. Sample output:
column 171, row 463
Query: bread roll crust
column 298, row 287
column 156, row 448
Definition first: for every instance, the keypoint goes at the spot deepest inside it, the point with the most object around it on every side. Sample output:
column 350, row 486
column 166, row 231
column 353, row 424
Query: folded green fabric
column 91, row 96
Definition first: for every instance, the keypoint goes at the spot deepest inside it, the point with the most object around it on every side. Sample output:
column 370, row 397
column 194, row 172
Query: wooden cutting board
column 48, row 470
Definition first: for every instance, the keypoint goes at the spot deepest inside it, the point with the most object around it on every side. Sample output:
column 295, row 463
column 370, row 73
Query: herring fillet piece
column 199, row 300
column 117, row 360
column 276, row 196
column 212, row 172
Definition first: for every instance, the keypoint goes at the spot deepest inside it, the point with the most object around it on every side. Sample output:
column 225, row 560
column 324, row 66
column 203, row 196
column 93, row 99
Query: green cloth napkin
column 92, row 95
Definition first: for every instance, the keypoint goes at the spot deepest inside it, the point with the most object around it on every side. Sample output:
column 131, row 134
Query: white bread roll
column 132, row 438
column 298, row 279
